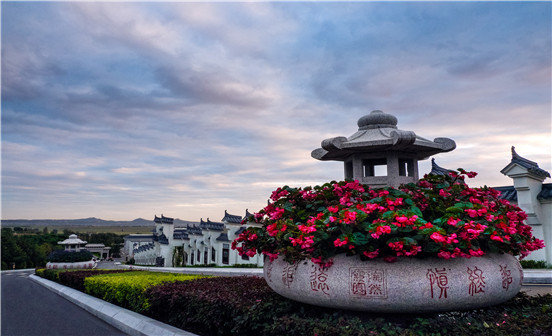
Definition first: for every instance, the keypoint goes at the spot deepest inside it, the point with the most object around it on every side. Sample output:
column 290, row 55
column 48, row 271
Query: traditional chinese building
column 73, row 243
column 532, row 196
column 203, row 243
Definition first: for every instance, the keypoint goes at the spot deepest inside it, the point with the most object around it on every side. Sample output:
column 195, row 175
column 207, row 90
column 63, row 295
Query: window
column 213, row 254
column 225, row 256
column 406, row 167
column 349, row 170
column 375, row 167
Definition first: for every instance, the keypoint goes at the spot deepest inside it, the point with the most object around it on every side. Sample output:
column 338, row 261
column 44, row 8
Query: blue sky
column 126, row 110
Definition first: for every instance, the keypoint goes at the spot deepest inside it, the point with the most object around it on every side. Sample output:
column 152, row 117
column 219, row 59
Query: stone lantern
column 380, row 154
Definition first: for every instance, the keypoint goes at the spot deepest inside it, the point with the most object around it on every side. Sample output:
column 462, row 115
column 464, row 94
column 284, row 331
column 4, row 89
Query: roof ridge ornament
column 531, row 166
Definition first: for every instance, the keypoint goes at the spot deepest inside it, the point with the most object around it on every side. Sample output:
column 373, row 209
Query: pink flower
column 271, row 256
column 338, row 242
column 444, row 254
column 350, row 216
column 443, row 193
column 437, row 237
column 476, row 253
column 371, row 255
column 396, row 246
column 383, row 229
column 277, row 213
column 306, row 229
column 452, row 221
column 471, row 212
column 333, row 209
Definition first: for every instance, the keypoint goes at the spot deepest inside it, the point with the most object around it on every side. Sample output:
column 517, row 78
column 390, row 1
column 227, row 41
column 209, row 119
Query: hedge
column 247, row 306
column 70, row 256
column 127, row 289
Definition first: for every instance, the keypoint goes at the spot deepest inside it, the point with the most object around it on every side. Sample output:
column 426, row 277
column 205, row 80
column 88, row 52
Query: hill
column 92, row 221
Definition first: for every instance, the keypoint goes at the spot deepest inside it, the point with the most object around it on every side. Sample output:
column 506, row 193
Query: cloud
column 123, row 110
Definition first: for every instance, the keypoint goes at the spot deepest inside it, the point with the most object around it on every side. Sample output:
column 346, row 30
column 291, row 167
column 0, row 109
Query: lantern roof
column 378, row 132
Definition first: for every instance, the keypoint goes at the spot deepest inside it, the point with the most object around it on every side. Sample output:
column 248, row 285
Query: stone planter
column 407, row 286
column 69, row 265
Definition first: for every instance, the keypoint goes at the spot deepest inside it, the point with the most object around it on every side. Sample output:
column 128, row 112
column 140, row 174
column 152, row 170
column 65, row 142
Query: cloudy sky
column 126, row 110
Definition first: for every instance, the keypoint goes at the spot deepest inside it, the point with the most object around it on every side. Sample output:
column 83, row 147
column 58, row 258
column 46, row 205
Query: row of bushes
column 247, row 306
column 528, row 264
column 121, row 287
column 72, row 278
column 70, row 256
column 127, row 290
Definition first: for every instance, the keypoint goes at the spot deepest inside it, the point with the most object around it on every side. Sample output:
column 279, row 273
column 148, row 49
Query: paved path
column 29, row 309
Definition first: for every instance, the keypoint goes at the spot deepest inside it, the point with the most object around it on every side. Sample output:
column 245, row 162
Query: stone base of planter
column 80, row 264
column 407, row 286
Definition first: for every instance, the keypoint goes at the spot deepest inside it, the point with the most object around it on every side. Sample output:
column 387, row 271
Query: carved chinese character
column 438, row 277
column 269, row 271
column 368, row 283
column 288, row 274
column 318, row 279
column 477, row 281
column 506, row 276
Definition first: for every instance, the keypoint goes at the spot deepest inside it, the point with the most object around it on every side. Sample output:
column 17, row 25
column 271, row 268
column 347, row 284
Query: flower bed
column 439, row 216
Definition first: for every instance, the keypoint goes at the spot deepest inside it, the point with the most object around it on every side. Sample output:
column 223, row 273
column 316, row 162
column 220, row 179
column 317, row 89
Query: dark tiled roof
column 180, row 234
column 437, row 170
column 508, row 193
column 143, row 248
column 208, row 225
column 163, row 239
column 163, row 220
column 546, row 192
column 223, row 237
column 138, row 237
column 247, row 213
column 234, row 219
column 194, row 230
column 531, row 166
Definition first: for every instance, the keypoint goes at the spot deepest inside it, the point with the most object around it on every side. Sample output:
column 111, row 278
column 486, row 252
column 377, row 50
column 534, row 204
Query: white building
column 73, row 243
column 206, row 243
column 532, row 196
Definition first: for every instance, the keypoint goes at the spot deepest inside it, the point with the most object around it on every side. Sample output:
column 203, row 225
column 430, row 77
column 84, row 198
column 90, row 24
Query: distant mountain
column 92, row 221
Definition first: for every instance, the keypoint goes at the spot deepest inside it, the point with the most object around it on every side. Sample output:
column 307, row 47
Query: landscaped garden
column 247, row 306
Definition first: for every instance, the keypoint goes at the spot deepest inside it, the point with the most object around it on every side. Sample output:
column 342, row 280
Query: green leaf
column 454, row 209
column 359, row 238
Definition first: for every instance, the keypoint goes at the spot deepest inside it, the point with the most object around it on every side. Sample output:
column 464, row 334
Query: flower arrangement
column 438, row 216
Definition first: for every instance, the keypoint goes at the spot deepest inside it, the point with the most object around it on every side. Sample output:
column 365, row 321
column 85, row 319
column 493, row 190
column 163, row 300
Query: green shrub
column 75, row 278
column 534, row 264
column 48, row 274
column 247, row 306
column 70, row 256
column 127, row 289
